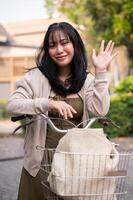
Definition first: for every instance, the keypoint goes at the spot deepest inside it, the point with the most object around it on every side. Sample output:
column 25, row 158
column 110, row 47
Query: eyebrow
column 61, row 40
column 51, row 40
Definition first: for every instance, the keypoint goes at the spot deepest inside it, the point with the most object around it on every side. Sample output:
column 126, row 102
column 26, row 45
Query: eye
column 52, row 45
column 63, row 42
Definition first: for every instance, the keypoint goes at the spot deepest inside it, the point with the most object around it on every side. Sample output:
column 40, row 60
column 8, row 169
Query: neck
column 64, row 73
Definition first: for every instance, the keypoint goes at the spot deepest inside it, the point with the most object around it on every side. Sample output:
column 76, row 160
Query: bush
column 121, row 113
column 3, row 111
column 125, row 86
column 121, row 110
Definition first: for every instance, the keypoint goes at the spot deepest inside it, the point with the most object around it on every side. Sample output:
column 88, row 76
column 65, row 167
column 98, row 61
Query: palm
column 102, row 60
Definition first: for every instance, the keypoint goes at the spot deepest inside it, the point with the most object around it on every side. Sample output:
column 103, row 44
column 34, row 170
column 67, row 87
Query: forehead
column 58, row 35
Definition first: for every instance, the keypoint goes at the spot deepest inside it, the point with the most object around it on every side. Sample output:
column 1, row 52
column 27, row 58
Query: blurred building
column 19, row 42
column 14, row 58
column 120, row 65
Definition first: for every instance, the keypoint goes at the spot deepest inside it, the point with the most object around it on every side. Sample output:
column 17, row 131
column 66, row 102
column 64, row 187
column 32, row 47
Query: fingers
column 93, row 55
column 114, row 55
column 109, row 48
column 62, row 108
column 67, row 111
column 102, row 46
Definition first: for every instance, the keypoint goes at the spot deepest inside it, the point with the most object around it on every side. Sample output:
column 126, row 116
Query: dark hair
column 79, row 62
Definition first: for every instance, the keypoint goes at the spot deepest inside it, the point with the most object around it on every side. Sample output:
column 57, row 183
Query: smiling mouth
column 61, row 57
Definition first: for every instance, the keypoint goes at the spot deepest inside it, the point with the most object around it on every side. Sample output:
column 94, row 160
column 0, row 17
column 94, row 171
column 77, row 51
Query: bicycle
column 68, row 174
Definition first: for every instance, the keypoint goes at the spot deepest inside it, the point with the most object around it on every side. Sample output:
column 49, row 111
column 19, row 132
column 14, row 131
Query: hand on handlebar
column 62, row 108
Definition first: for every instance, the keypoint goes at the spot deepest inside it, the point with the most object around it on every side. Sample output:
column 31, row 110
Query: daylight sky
column 19, row 10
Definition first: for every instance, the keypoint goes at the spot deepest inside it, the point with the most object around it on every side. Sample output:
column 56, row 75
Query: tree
column 76, row 12
column 113, row 19
column 108, row 19
column 50, row 7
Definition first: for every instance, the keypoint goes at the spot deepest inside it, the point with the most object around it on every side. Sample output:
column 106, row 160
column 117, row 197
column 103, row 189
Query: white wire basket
column 73, row 174
column 84, row 176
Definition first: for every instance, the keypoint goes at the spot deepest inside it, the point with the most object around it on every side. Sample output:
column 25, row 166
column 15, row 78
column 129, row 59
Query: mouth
column 61, row 57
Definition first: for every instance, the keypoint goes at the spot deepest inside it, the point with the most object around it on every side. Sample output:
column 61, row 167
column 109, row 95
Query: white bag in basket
column 89, row 156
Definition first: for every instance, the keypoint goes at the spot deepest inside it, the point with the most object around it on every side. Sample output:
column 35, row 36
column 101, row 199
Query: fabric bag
column 81, row 164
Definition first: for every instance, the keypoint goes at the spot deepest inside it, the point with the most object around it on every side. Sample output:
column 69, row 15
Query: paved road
column 10, row 170
column 129, row 183
column 10, row 174
column 9, row 179
column 11, row 162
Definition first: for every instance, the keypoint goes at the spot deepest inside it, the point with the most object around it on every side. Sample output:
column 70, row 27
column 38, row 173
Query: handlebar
column 103, row 120
column 51, row 124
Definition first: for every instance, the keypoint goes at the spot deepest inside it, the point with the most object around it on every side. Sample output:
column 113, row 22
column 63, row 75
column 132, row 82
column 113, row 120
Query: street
column 11, row 153
column 9, row 179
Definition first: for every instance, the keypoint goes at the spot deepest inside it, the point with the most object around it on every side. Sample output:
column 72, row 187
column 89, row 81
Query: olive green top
column 52, row 137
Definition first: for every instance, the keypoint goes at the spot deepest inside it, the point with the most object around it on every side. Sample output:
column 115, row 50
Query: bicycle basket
column 85, row 165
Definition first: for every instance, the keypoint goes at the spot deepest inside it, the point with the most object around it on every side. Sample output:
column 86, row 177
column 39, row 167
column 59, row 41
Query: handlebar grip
column 20, row 117
column 14, row 119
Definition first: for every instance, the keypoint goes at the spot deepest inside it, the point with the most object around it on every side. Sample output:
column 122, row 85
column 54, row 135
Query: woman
column 60, row 87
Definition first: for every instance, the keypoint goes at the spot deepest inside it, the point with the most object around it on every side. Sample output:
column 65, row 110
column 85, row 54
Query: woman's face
column 61, row 49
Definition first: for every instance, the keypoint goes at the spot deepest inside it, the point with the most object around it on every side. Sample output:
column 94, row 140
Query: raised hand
column 102, row 60
column 64, row 109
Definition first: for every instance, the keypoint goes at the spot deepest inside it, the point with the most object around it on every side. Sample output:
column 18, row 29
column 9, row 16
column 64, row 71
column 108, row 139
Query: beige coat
column 31, row 97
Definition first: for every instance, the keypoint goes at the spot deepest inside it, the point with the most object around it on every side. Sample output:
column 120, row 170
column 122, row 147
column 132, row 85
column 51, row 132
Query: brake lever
column 106, row 121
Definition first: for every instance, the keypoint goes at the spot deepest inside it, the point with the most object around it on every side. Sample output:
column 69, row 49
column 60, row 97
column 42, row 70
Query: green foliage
column 113, row 19
column 121, row 110
column 125, row 86
column 114, row 15
column 3, row 111
column 69, row 8
column 73, row 13
column 121, row 113
column 22, row 122
column 76, row 12
column 50, row 6
column 108, row 19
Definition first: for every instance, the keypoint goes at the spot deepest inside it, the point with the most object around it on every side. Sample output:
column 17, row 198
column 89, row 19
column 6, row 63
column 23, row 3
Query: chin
column 63, row 64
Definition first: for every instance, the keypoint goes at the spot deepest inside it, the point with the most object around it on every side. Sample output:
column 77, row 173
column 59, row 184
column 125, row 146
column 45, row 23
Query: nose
column 59, row 48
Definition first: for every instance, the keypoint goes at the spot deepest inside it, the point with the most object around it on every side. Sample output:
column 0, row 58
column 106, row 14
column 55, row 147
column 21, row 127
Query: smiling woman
column 61, row 50
column 65, row 57
column 59, row 87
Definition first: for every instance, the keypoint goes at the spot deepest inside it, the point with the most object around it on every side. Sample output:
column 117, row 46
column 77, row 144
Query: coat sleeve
column 23, row 100
column 97, row 94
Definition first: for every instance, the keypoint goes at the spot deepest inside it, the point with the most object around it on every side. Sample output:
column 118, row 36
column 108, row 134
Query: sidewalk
column 11, row 146
column 11, row 160
column 125, row 143
column 7, row 127
column 11, row 157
